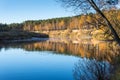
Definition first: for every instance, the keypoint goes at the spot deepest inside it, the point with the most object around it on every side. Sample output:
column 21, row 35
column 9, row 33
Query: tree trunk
column 116, row 37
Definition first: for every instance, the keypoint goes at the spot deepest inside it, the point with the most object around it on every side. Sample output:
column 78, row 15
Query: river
column 58, row 59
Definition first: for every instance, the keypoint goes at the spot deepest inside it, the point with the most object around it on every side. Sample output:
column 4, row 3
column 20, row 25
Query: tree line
column 88, row 21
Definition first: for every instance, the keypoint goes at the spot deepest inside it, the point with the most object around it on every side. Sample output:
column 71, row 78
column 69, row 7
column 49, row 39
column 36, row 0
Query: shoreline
column 33, row 39
column 21, row 36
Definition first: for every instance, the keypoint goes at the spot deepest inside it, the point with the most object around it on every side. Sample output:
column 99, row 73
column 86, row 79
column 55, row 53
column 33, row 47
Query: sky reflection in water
column 17, row 64
column 55, row 61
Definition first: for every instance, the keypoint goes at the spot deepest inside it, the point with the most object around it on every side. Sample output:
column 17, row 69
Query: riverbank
column 69, row 34
column 79, row 34
column 18, row 36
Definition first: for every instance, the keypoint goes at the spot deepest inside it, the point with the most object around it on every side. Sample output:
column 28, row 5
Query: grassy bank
column 20, row 35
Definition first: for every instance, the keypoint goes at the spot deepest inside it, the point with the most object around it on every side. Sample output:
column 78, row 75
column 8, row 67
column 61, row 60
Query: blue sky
column 12, row 11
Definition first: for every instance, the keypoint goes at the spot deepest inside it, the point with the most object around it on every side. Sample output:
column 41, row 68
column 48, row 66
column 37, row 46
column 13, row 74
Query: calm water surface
column 56, row 60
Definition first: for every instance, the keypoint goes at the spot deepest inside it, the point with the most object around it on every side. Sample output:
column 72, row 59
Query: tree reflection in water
column 101, row 52
column 87, row 69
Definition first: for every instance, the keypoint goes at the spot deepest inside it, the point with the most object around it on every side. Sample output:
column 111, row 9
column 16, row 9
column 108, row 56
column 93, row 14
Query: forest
column 91, row 21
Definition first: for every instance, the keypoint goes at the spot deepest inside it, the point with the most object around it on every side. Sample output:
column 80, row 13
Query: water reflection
column 100, row 51
column 96, row 58
column 92, row 70
column 18, row 64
